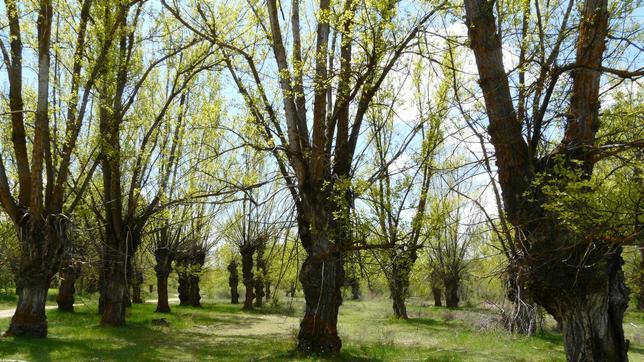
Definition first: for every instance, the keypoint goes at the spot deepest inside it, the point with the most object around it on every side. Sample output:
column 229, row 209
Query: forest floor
column 223, row 332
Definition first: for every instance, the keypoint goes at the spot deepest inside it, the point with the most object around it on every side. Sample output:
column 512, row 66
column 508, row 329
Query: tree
column 575, row 275
column 40, row 210
column 314, row 155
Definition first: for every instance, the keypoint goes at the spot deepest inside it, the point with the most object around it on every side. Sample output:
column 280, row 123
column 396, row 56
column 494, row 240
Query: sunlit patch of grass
column 224, row 332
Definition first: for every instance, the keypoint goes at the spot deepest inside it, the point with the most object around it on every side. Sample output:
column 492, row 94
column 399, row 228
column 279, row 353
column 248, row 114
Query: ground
column 222, row 332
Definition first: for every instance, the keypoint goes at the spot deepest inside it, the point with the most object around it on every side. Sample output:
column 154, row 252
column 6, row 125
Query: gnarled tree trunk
column 189, row 268
column 451, row 292
column 163, row 267
column 322, row 277
column 114, row 284
column 69, row 272
column 42, row 246
column 233, row 282
column 437, row 293
column 590, row 306
column 247, row 276
column 260, row 276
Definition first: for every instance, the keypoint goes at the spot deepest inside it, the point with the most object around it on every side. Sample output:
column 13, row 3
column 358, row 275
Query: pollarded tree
column 397, row 190
column 355, row 45
column 41, row 205
column 142, row 115
column 573, row 271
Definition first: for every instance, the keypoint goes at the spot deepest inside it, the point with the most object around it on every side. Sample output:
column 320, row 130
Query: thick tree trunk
column 114, row 287
column 591, row 313
column 260, row 276
column 163, row 267
column 321, row 277
column 194, row 293
column 451, row 292
column 401, row 263
column 67, row 289
column 30, row 320
column 398, row 300
column 189, row 268
column 437, row 293
column 162, row 293
column 42, row 246
column 267, row 285
column 183, row 289
column 233, row 282
column 247, row 277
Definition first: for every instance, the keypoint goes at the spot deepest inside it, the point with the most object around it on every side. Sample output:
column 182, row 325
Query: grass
column 222, row 332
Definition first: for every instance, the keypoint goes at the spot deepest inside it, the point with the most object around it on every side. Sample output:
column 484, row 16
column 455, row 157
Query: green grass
column 223, row 332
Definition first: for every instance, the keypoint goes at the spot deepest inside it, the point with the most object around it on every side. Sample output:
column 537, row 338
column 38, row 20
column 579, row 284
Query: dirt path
column 8, row 313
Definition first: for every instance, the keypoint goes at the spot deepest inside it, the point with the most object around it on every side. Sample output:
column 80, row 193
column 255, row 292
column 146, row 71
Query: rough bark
column 260, row 276
column 437, row 293
column 42, row 245
column 401, row 263
column 355, row 289
column 576, row 277
column 163, row 268
column 451, row 292
column 322, row 277
column 233, row 282
column 114, row 284
column 247, row 276
column 189, row 268
column 69, row 272
column 590, row 306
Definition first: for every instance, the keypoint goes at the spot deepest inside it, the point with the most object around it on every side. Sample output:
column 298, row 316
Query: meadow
column 223, row 332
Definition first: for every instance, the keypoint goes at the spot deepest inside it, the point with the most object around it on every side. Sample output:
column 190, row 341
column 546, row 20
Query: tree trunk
column 437, row 293
column 30, row 319
column 591, row 312
column 66, row 291
column 523, row 318
column 42, row 246
column 321, row 277
column 260, row 275
column 267, row 285
column 163, row 306
column 114, row 287
column 401, row 263
column 398, row 299
column 247, row 277
column 183, row 289
column 233, row 282
column 136, row 281
column 163, row 267
column 194, row 296
column 451, row 292
column 355, row 289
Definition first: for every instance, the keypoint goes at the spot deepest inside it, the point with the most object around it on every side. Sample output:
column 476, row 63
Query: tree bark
column 355, row 289
column 592, row 310
column 233, row 282
column 260, row 275
column 163, row 268
column 68, row 273
column 451, row 292
column 114, row 285
column 322, row 277
column 247, row 276
column 42, row 244
column 136, row 281
column 189, row 267
column 437, row 293
column 30, row 319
